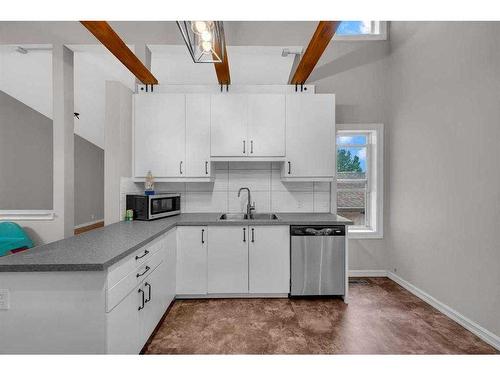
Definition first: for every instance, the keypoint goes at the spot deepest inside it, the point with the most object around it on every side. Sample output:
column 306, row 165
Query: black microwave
column 150, row 207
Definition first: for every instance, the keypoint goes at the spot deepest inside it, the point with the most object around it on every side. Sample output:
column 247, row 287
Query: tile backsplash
column 262, row 178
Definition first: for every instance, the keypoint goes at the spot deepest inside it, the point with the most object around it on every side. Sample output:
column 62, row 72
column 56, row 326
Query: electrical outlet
column 395, row 270
column 4, row 299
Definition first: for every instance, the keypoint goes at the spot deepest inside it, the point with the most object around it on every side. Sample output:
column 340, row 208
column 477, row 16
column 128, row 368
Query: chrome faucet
column 250, row 206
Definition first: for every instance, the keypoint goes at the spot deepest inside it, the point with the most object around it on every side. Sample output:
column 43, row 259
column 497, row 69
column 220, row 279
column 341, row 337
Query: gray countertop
column 100, row 248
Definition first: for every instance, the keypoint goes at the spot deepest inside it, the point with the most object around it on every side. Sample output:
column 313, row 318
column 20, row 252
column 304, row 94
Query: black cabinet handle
column 289, row 167
column 206, row 167
column 146, row 252
column 149, row 292
column 142, row 274
column 141, row 307
column 251, row 147
column 244, row 146
column 244, row 234
column 202, row 236
column 180, row 167
column 253, row 235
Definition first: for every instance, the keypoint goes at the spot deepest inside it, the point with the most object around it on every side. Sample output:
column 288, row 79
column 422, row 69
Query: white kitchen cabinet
column 170, row 244
column 266, row 125
column 159, row 135
column 124, row 325
column 198, row 135
column 229, row 125
column 248, row 125
column 269, row 259
column 310, row 137
column 156, row 295
column 192, row 260
column 228, row 259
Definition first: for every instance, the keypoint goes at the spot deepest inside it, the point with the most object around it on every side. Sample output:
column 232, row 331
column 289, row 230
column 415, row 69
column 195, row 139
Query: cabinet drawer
column 127, row 265
column 119, row 291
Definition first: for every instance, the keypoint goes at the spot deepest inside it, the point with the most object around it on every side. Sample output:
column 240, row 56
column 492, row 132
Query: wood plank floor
column 381, row 318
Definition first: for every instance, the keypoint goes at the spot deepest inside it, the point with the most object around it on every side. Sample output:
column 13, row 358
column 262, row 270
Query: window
column 361, row 30
column 360, row 178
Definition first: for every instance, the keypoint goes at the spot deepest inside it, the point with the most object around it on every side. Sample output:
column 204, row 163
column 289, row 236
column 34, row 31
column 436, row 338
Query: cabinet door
column 266, row 125
column 159, row 134
column 197, row 135
column 310, row 136
column 192, row 260
column 124, row 327
column 228, row 259
column 229, row 125
column 156, row 293
column 269, row 259
column 170, row 265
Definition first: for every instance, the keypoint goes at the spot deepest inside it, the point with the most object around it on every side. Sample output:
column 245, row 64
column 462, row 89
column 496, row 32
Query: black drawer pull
column 149, row 292
column 253, row 235
column 146, row 252
column 142, row 274
column 141, row 307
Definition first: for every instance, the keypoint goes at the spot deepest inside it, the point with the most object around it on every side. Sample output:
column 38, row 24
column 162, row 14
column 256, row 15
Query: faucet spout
column 250, row 206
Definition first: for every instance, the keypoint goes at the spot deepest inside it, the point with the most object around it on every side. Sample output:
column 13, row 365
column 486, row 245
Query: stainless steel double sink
column 256, row 216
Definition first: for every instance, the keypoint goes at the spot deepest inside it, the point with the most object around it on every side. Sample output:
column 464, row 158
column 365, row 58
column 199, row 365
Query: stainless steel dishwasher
column 317, row 260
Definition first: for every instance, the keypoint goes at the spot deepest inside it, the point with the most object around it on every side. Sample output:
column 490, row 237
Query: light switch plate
column 4, row 299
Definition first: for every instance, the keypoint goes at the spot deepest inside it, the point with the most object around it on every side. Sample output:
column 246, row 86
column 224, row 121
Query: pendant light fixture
column 204, row 40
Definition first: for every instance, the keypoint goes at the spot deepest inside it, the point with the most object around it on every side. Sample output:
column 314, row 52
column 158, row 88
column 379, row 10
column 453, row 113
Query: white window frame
column 381, row 34
column 375, row 178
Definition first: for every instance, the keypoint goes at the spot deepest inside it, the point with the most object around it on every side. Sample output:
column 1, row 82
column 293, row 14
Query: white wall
column 444, row 173
column 94, row 65
column 268, row 192
column 28, row 77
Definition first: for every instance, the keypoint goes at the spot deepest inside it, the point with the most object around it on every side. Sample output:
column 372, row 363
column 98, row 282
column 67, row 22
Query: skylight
column 361, row 30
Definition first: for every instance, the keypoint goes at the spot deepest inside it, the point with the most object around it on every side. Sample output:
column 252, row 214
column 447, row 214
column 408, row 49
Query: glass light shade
column 204, row 40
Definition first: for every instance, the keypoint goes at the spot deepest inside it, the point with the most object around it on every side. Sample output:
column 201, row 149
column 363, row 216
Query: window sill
column 27, row 215
column 364, row 234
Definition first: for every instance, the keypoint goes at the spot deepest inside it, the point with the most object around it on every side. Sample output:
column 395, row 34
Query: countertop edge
column 100, row 267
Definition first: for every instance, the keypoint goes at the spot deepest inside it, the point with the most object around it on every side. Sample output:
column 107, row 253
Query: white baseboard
column 367, row 273
column 468, row 324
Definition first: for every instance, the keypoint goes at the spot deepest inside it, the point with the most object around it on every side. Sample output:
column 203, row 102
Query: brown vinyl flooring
column 381, row 318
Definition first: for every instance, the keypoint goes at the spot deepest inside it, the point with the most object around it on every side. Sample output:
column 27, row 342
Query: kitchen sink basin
column 256, row 216
column 263, row 217
column 233, row 217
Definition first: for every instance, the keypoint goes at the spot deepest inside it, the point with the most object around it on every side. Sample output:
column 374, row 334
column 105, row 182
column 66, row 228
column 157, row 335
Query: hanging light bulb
column 206, row 36
column 199, row 26
column 206, row 46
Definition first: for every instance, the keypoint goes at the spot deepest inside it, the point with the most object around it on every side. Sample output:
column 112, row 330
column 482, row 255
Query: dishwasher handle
column 317, row 230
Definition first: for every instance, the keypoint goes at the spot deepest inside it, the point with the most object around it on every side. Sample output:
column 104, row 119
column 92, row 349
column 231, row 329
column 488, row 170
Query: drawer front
column 120, row 270
column 119, row 291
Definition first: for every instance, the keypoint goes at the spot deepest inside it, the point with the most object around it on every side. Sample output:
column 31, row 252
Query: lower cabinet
column 131, row 322
column 254, row 259
column 192, row 260
column 269, row 259
column 228, row 259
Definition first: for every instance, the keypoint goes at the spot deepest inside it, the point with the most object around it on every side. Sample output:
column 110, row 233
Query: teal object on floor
column 13, row 238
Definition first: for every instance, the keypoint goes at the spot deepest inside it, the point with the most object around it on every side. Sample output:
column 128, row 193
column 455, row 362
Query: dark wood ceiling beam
column 112, row 41
column 317, row 45
column 222, row 68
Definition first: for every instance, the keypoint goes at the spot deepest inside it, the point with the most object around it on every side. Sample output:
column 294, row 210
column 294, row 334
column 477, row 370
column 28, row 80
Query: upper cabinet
column 198, row 135
column 172, row 136
column 310, row 138
column 248, row 125
column 177, row 136
column 229, row 125
column 266, row 125
column 159, row 135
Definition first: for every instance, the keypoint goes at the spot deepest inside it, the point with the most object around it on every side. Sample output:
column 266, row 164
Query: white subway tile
column 292, row 201
column 321, row 201
column 262, row 201
column 206, row 202
column 255, row 180
column 322, row 186
column 221, row 165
